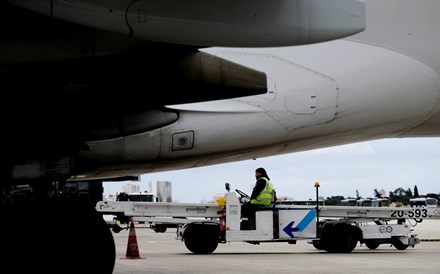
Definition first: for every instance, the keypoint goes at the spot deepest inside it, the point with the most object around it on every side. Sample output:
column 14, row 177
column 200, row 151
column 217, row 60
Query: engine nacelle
column 231, row 23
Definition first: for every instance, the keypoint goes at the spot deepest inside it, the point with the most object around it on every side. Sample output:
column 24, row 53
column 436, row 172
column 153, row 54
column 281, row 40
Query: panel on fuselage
column 301, row 97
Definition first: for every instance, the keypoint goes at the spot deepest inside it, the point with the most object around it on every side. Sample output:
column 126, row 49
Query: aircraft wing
column 67, row 82
column 77, row 71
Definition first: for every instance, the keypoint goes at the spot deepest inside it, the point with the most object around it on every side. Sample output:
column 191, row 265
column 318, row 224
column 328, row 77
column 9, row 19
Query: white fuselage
column 383, row 82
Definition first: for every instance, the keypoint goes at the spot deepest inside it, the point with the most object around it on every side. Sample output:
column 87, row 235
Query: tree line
column 399, row 196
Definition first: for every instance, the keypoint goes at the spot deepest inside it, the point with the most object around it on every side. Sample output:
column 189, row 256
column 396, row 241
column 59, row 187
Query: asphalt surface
column 162, row 253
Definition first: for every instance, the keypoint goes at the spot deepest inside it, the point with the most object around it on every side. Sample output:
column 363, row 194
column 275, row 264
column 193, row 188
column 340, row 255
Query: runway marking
column 430, row 240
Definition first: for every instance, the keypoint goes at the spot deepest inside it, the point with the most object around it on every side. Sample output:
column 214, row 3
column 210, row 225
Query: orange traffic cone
column 132, row 246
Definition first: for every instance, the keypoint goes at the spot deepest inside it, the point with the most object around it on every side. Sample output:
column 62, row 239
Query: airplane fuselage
column 380, row 83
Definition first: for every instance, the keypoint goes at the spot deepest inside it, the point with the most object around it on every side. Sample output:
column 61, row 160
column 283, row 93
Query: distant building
column 162, row 189
column 130, row 188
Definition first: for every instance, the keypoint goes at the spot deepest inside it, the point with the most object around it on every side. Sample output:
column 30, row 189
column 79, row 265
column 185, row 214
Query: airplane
column 109, row 90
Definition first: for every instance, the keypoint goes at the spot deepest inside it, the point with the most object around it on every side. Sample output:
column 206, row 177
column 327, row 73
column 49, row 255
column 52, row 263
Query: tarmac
column 162, row 253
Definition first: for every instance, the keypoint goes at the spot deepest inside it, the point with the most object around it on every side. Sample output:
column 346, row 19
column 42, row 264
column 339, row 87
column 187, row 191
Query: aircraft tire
column 56, row 236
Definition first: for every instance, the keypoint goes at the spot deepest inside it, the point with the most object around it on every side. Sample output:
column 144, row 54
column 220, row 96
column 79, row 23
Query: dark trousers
column 248, row 210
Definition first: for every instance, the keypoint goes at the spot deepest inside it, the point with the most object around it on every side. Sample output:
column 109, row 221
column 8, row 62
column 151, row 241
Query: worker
column 262, row 195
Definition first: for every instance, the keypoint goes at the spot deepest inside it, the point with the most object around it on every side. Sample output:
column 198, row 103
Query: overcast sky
column 384, row 164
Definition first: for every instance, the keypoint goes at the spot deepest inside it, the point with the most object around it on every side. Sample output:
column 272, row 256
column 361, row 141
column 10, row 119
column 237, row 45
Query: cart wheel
column 398, row 244
column 160, row 229
column 372, row 244
column 317, row 245
column 202, row 238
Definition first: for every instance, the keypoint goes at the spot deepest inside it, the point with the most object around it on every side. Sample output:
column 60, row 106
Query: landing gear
column 55, row 234
column 66, row 237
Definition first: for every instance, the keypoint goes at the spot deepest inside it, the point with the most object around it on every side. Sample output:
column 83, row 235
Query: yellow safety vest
column 265, row 197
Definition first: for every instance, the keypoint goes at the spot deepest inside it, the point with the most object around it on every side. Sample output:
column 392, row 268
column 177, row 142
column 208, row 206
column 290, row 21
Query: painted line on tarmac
column 430, row 240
